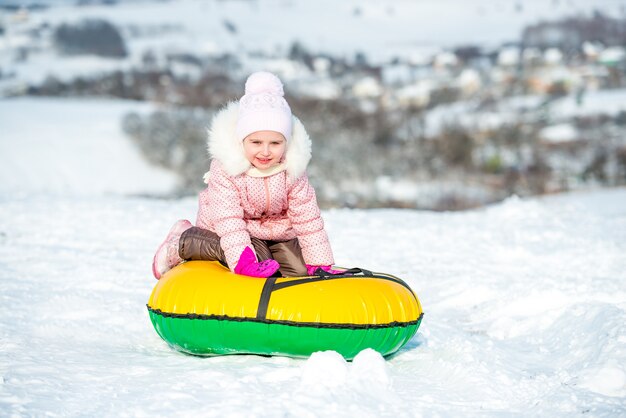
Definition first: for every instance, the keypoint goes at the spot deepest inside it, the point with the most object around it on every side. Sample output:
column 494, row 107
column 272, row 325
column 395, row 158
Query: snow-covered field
column 524, row 314
column 525, row 302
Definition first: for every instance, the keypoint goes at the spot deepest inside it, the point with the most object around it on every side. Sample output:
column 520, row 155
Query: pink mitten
column 248, row 266
column 312, row 269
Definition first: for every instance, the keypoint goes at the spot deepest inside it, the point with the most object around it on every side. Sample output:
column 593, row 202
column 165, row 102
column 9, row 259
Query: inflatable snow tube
column 201, row 308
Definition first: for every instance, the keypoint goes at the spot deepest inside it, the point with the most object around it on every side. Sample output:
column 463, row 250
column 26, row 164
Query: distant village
column 453, row 130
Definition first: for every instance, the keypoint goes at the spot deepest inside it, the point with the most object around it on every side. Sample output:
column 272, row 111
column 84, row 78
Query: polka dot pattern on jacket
column 268, row 208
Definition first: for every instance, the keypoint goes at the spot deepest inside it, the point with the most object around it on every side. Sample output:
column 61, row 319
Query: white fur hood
column 224, row 146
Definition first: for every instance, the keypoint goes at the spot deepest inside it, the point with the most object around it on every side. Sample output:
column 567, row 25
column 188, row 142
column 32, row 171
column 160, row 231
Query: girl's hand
column 312, row 269
column 248, row 266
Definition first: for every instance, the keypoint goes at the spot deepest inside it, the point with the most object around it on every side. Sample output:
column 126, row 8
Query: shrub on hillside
column 96, row 37
column 173, row 139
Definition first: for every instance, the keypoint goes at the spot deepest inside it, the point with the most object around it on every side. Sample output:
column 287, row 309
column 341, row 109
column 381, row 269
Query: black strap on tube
column 271, row 286
column 264, row 300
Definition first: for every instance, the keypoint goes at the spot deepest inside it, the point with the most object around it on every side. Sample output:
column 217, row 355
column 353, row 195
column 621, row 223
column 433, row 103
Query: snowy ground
column 525, row 301
column 524, row 314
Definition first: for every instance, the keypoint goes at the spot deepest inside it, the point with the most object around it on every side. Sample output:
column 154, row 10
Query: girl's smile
column 264, row 149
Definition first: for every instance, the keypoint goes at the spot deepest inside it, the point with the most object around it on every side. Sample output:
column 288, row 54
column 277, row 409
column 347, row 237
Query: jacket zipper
column 267, row 195
column 267, row 203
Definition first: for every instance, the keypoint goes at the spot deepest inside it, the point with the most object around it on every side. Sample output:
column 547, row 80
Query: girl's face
column 264, row 149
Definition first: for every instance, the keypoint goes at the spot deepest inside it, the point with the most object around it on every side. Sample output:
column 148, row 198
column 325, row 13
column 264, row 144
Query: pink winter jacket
column 277, row 207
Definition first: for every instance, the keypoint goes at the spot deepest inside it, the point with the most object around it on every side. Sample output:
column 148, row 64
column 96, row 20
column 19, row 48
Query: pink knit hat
column 263, row 107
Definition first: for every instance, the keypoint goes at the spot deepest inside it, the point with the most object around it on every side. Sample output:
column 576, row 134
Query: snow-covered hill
column 73, row 147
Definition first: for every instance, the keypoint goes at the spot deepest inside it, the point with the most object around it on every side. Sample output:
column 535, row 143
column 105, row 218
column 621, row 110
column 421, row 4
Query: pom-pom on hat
column 263, row 107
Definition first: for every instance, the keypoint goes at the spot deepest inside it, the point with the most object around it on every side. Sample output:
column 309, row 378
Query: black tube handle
column 349, row 272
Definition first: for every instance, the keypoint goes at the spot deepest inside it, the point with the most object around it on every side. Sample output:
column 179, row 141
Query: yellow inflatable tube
column 202, row 308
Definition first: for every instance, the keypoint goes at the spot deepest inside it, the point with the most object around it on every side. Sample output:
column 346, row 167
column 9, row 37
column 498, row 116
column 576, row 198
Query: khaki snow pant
column 201, row 244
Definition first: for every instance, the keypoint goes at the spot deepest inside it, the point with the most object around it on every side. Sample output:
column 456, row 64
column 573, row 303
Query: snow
column 553, row 56
column 612, row 55
column 525, row 301
column 466, row 113
column 320, row 88
column 367, row 87
column 509, row 56
column 608, row 380
column 39, row 67
column 327, row 370
column 603, row 102
column 383, row 30
column 524, row 314
column 73, row 146
column 561, row 133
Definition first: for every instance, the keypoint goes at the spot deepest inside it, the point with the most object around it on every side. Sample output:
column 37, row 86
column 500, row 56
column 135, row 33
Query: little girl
column 258, row 214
